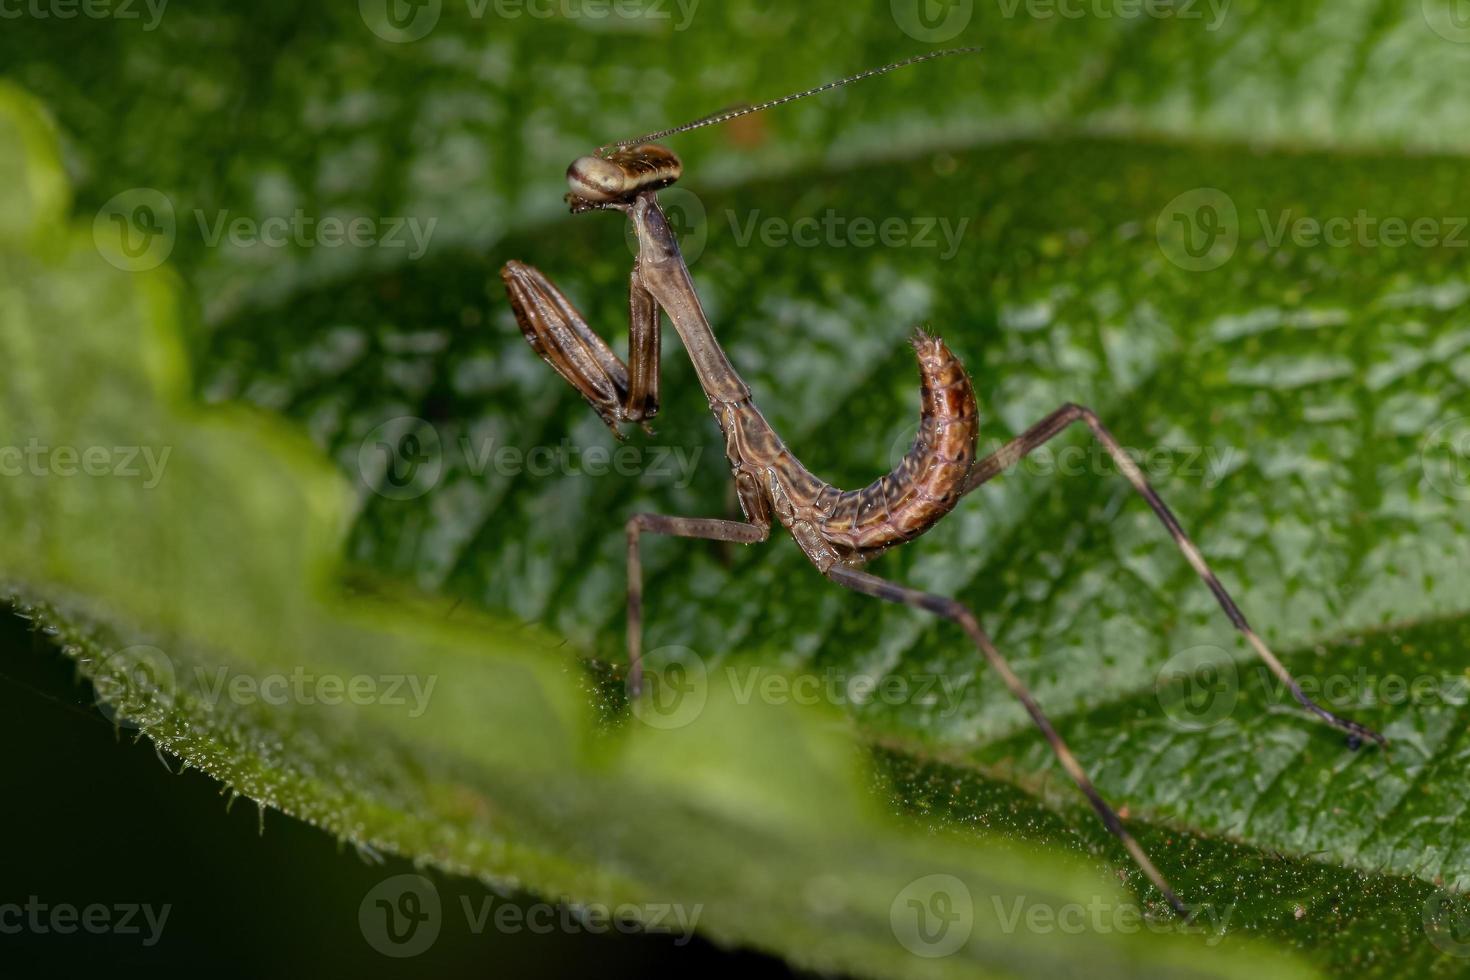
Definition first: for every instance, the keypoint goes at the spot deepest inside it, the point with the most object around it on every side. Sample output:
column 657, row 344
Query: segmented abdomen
column 903, row 504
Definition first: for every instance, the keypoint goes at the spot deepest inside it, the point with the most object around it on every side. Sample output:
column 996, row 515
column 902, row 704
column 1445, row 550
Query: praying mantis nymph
column 840, row 531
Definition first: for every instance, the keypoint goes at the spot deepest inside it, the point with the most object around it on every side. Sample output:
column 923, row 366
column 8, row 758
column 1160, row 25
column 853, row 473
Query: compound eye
column 596, row 179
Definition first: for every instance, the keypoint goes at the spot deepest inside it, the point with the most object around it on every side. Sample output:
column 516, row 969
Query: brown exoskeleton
column 838, row 530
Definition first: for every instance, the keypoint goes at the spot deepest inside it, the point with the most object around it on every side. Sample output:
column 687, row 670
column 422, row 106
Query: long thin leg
column 557, row 331
column 1052, row 426
column 683, row 527
column 956, row 611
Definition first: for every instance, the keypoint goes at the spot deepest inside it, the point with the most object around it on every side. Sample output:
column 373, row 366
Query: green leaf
column 1299, row 405
column 1303, row 466
column 194, row 589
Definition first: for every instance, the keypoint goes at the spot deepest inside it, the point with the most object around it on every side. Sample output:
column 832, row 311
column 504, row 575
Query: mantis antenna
column 727, row 114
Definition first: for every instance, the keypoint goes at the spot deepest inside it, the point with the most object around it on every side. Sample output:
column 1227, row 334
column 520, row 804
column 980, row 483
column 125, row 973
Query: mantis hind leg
column 1057, row 422
column 957, row 612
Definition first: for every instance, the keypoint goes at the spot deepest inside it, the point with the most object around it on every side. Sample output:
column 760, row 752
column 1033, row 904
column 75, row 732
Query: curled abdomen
column 928, row 482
